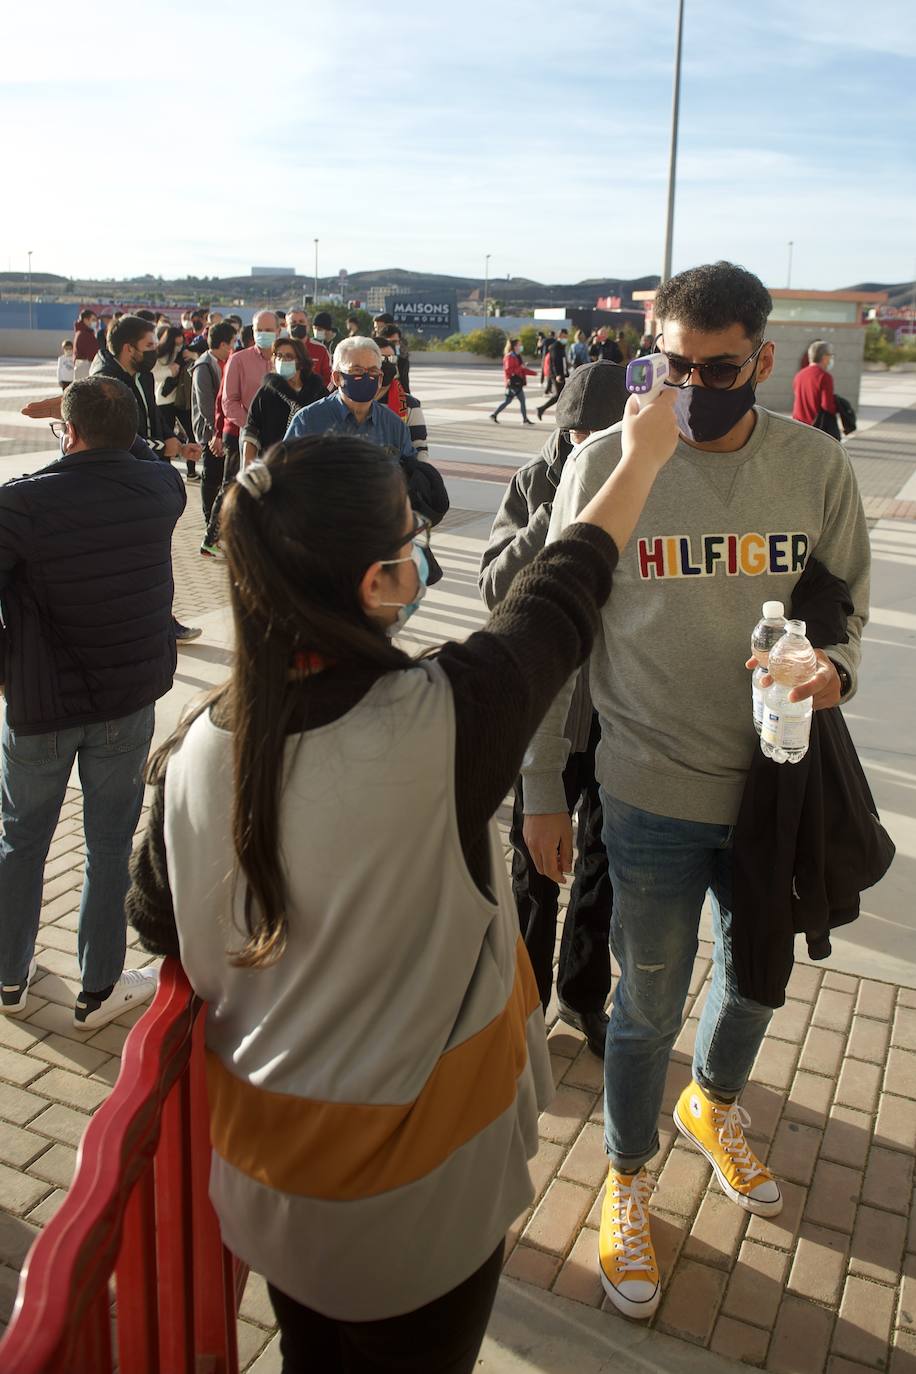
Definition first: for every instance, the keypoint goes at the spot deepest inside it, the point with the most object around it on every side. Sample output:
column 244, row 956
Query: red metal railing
column 137, row 1209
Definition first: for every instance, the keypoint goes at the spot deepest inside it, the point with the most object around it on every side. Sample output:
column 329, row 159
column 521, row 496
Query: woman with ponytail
column 322, row 857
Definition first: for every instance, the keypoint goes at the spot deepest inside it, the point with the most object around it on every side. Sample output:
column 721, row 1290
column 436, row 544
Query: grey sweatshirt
column 720, row 534
column 518, row 535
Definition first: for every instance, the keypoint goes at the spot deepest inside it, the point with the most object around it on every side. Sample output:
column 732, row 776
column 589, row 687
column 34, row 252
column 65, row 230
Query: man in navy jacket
column 88, row 647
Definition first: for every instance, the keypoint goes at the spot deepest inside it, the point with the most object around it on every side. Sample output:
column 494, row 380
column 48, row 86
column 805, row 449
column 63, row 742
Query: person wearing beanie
column 323, row 330
column 593, row 399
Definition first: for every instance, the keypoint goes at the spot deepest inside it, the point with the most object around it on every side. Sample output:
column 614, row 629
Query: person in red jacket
column 516, row 375
column 297, row 322
column 815, row 401
column 85, row 343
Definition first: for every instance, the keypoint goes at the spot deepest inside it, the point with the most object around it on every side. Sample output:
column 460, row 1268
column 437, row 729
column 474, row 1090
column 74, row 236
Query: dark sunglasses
column 718, row 376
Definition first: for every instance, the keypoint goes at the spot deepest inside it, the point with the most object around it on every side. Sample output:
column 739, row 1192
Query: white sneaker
column 135, row 986
column 13, row 996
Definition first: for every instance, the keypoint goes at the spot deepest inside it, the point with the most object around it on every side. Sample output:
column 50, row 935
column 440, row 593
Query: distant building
column 377, row 295
column 273, row 271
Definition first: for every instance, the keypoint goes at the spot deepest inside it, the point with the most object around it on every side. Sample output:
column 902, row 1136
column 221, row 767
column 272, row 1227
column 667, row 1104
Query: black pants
column 443, row 1337
column 168, row 414
column 211, row 481
column 230, row 468
column 559, row 383
column 584, row 968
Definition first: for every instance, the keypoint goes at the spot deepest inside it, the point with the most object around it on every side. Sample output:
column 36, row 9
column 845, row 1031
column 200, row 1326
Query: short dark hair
column 146, row 315
column 390, row 330
column 714, row 297
column 219, row 334
column 129, row 329
column 303, row 361
column 352, row 319
column 89, row 314
column 102, row 410
column 384, row 318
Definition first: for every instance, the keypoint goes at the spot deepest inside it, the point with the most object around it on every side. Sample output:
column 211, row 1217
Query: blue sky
column 425, row 135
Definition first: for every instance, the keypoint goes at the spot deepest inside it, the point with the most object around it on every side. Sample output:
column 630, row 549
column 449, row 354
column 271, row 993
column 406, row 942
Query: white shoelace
column 633, row 1220
column 731, row 1122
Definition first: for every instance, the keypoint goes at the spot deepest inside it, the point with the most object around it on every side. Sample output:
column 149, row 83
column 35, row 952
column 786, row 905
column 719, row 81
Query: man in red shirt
column 297, row 322
column 815, row 401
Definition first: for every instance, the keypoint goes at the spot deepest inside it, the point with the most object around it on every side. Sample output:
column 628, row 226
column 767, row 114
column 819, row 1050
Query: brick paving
column 828, row 1287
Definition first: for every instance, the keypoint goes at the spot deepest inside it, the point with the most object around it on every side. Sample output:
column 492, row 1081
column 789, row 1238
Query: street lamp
column 789, row 268
column 315, row 297
column 30, row 288
column 486, row 289
column 672, row 160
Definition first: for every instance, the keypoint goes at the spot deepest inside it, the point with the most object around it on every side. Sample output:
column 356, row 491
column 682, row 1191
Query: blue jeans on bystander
column 111, row 757
column 661, row 869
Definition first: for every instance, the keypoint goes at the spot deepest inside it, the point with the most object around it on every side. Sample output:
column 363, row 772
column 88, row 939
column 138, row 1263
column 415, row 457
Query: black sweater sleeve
column 149, row 902
column 505, row 677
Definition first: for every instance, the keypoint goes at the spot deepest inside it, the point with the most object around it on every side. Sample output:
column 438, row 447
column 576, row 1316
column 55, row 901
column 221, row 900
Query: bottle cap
column 795, row 627
column 773, row 610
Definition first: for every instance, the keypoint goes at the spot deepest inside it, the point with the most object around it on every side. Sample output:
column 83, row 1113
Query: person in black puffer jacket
column 290, row 385
column 88, row 647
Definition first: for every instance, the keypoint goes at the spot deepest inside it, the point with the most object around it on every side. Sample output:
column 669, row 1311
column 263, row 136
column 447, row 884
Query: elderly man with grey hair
column 815, row 398
column 353, row 408
column 244, row 373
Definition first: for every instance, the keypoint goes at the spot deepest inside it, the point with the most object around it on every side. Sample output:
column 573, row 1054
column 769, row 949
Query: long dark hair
column 296, row 556
column 168, row 336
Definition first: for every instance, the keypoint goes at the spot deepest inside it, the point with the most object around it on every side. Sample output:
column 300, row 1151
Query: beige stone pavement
column 829, row 1287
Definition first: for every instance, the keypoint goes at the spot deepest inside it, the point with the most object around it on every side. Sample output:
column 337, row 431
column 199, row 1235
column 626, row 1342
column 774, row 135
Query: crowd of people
column 321, row 851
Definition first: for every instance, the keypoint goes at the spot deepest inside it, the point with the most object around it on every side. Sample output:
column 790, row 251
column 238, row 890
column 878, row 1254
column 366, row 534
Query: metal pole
column 30, row 288
column 486, row 289
column 789, row 268
column 672, row 161
column 315, row 297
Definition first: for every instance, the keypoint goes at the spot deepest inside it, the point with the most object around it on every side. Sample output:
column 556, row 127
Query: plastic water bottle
column 787, row 724
column 766, row 633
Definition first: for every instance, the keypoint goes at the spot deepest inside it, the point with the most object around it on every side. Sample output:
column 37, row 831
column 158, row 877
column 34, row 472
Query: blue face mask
column 286, row 367
column 406, row 610
column 359, row 389
column 264, row 338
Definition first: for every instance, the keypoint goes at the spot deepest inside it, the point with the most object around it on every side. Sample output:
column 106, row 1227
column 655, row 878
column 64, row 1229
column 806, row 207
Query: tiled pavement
column 829, row 1287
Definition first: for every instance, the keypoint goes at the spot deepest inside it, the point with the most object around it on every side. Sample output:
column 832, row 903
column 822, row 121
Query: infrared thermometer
column 646, row 376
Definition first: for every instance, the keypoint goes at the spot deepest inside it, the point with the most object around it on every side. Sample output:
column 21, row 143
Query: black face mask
column 704, row 414
column 147, row 360
column 298, row 331
column 389, row 372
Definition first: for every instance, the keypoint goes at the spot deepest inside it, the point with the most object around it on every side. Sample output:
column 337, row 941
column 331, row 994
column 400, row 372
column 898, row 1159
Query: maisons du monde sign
column 436, row 315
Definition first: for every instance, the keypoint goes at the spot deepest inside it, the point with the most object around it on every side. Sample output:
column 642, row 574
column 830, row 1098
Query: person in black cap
column 593, row 399
column 323, row 330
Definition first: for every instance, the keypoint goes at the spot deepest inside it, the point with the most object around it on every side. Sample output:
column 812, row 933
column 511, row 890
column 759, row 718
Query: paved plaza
column 829, row 1286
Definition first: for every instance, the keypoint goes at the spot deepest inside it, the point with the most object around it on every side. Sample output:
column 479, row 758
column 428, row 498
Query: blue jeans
column 661, row 869
column 111, row 757
column 512, row 395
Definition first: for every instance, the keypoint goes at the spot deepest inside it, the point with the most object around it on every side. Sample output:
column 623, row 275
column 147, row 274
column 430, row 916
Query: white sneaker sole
column 760, row 1209
column 14, row 1008
column 105, row 1014
column 642, row 1311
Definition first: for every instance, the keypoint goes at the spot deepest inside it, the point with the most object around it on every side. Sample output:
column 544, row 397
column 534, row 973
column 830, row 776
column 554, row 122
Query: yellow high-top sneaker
column 717, row 1129
column 626, row 1257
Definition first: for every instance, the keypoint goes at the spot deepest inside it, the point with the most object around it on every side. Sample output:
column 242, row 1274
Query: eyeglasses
column 418, row 535
column 58, row 428
column 718, row 376
column 374, row 372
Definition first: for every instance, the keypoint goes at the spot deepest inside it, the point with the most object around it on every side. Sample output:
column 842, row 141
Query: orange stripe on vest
column 343, row 1151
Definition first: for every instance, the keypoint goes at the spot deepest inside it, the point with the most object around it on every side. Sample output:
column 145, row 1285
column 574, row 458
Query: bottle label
column 757, row 694
column 785, row 732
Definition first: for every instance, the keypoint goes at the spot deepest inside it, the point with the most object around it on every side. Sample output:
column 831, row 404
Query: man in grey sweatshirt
column 593, row 399
column 747, row 497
